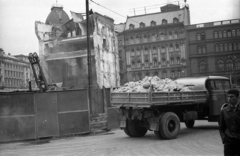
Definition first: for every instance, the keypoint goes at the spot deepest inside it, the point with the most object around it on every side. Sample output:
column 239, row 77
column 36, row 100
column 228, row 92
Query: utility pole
column 88, row 55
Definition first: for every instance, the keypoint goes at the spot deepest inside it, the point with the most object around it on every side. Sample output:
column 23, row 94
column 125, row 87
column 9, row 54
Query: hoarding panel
column 72, row 100
column 47, row 114
column 17, row 128
column 74, row 122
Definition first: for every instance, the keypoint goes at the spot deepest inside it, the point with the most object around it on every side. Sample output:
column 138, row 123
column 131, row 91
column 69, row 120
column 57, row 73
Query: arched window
column 203, row 49
column 215, row 34
column 217, row 48
column 220, row 65
column 199, row 49
column 198, row 36
column 153, row 23
column 142, row 25
column 203, row 66
column 225, row 47
column 234, row 46
column 224, row 33
column 131, row 26
column 202, row 36
column 233, row 33
column 175, row 20
column 238, row 32
column 220, row 34
column 229, row 33
column 221, row 47
column 229, row 65
column 164, row 22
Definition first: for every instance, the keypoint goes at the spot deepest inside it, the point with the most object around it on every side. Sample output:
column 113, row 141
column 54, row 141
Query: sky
column 17, row 17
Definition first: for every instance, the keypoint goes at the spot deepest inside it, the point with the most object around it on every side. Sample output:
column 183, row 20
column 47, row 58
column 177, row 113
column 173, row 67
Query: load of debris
column 154, row 84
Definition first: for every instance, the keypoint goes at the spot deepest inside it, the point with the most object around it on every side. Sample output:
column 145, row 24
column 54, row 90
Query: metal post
column 88, row 55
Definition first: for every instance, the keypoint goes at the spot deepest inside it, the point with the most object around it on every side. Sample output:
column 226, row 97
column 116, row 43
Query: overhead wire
column 113, row 11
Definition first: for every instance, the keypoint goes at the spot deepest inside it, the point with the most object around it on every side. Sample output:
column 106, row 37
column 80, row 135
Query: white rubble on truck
column 157, row 84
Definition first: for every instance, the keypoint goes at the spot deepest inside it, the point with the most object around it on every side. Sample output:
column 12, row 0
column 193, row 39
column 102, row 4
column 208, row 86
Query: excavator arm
column 38, row 72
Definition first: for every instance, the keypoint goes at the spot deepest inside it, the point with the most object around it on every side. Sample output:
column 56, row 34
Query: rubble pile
column 155, row 84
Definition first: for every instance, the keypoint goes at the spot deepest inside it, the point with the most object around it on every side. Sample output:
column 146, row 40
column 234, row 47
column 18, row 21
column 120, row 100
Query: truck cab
column 216, row 86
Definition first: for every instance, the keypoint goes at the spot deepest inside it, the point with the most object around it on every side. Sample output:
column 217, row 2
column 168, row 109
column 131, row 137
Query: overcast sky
column 17, row 17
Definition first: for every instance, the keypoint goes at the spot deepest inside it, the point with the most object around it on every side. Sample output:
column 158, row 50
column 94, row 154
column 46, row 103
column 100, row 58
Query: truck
column 162, row 112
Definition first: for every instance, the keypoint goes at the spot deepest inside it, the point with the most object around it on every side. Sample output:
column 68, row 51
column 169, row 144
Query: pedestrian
column 229, row 124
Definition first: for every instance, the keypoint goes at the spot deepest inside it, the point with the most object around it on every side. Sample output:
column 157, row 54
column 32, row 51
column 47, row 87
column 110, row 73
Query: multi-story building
column 63, row 49
column 214, row 49
column 154, row 44
column 15, row 73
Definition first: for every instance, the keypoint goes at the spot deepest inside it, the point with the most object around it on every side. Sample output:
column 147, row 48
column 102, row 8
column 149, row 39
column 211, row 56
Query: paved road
column 202, row 140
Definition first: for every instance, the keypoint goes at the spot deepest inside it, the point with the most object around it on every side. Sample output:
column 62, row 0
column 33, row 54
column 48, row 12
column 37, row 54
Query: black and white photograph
column 119, row 78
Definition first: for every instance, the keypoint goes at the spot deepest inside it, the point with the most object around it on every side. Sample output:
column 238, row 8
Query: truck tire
column 189, row 123
column 133, row 129
column 169, row 126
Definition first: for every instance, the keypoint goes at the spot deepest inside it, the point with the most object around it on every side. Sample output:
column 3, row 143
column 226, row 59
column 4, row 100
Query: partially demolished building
column 63, row 49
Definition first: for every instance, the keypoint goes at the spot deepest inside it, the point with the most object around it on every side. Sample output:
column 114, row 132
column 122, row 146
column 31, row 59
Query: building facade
column 214, row 49
column 15, row 72
column 154, row 44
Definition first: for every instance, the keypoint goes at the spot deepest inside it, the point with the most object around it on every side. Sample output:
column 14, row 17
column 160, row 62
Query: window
column 238, row 45
column 220, row 65
column 131, row 26
column 237, row 64
column 225, row 47
column 165, row 75
column 175, row 20
column 217, row 48
column 172, row 61
column 215, row 34
column 230, row 46
column 173, row 74
column 175, row 34
column 221, row 47
column 142, row 25
column 224, row 33
column 147, row 73
column 139, row 76
column 233, row 33
column 153, row 23
column 177, row 47
column 163, row 49
column 146, row 58
column 229, row 65
column 199, row 50
column 170, row 36
column 164, row 22
column 155, row 73
column 220, row 34
column 134, row 77
column 229, row 33
column 202, row 36
column 203, row 67
column 203, row 49
column 234, row 46
column 198, row 37
column 238, row 32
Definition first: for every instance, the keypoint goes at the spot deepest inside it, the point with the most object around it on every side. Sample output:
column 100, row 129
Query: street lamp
column 233, row 58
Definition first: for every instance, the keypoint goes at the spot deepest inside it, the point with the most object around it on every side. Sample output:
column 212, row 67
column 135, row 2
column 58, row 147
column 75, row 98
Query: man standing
column 229, row 124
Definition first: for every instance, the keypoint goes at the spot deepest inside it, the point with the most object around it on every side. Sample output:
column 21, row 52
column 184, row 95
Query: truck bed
column 150, row 99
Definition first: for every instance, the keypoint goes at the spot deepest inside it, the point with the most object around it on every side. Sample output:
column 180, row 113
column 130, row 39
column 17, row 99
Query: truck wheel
column 133, row 129
column 189, row 123
column 169, row 126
